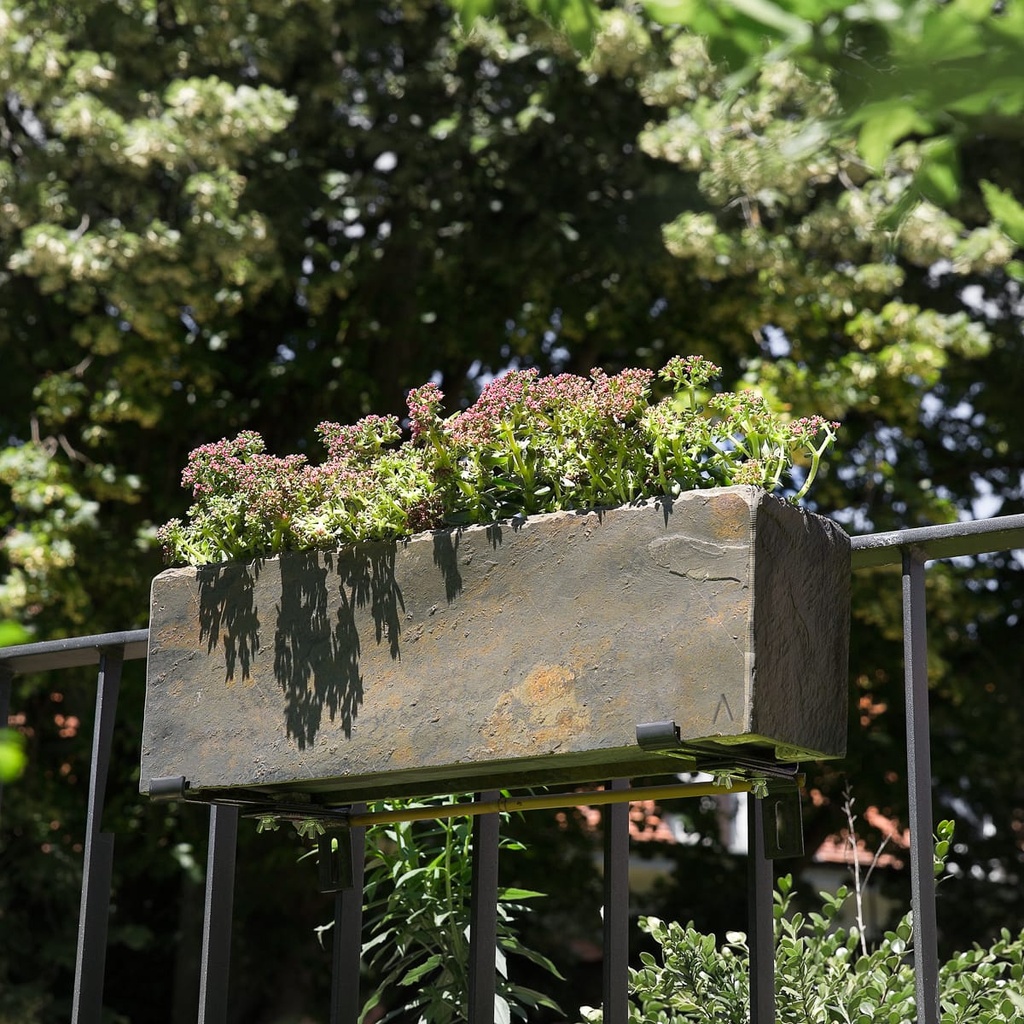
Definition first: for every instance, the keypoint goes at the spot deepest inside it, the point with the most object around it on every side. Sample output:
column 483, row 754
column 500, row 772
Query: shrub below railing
column 822, row 972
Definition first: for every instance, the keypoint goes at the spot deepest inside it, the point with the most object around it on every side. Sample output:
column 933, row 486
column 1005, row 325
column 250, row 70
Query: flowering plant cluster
column 528, row 444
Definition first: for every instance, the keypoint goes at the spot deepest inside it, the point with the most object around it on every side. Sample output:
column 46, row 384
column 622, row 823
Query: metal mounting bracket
column 783, row 824
column 335, row 859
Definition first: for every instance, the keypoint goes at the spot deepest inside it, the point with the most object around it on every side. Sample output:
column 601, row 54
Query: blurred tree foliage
column 216, row 216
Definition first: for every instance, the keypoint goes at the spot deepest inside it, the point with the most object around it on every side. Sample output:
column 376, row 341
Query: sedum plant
column 529, row 444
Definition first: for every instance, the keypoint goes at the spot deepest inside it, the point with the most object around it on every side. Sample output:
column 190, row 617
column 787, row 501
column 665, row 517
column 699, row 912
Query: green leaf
column 1015, row 269
column 938, row 177
column 696, row 16
column 369, row 1005
column 1006, row 211
column 469, row 10
column 531, row 997
column 580, row 20
column 773, row 17
column 671, row 12
column 1002, row 95
column 948, row 36
column 421, row 969
column 884, row 124
column 509, row 894
column 894, row 217
column 513, row 945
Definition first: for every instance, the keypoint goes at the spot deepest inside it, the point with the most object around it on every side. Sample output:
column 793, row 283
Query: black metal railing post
column 616, row 906
column 94, row 911
column 483, row 927
column 219, row 904
column 919, row 782
column 348, row 933
column 760, row 917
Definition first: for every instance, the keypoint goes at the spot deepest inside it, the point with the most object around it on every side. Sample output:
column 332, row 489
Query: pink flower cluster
column 807, row 428
column 690, row 371
column 623, row 396
column 746, row 405
column 424, row 405
column 524, row 398
column 212, row 465
column 262, row 485
column 360, row 440
column 498, row 403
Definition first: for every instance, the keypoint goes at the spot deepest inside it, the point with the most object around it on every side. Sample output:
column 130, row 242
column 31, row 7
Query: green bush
column 821, row 974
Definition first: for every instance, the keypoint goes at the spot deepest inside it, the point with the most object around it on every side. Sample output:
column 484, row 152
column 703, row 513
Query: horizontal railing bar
column 551, row 801
column 73, row 651
column 948, row 540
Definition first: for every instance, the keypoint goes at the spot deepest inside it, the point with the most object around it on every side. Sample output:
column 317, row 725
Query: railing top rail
column 949, row 540
column 72, row 651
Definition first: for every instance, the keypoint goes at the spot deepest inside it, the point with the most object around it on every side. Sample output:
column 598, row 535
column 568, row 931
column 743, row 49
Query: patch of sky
column 189, row 322
column 775, row 341
column 973, row 297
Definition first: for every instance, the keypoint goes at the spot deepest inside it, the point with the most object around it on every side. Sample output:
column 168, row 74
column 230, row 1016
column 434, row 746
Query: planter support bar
column 551, row 801
column 343, row 817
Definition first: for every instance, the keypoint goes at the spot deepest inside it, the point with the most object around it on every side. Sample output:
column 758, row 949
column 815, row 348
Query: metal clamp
column 658, row 735
column 170, row 787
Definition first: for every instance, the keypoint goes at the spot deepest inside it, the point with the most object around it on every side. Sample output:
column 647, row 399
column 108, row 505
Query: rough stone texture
column 517, row 654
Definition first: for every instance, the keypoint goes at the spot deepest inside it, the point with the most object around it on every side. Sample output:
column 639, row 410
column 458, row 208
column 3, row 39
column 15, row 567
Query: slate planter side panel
column 802, row 622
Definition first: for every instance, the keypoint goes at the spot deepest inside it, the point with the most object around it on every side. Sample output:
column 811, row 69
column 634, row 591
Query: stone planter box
column 525, row 653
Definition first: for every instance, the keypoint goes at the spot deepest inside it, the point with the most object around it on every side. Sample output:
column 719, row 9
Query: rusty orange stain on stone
column 395, row 701
column 732, row 519
column 547, row 683
column 537, row 715
column 402, row 756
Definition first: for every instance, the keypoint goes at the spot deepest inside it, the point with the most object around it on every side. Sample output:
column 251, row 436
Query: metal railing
column 909, row 548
